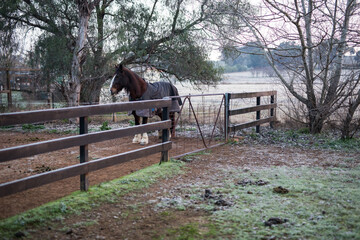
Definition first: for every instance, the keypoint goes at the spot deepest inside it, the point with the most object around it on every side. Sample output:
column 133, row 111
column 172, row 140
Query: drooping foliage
column 166, row 35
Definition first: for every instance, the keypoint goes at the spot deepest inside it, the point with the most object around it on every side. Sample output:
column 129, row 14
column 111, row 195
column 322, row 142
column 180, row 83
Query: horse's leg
column 137, row 137
column 144, row 138
column 171, row 115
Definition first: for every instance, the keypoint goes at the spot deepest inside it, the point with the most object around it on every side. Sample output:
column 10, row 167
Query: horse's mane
column 137, row 85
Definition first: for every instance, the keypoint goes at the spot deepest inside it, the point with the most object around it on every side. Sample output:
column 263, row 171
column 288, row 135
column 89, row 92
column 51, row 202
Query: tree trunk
column 79, row 55
column 346, row 124
column 91, row 89
column 345, row 129
column 316, row 121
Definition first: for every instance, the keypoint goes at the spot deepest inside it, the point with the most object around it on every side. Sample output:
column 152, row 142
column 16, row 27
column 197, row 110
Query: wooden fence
column 82, row 140
column 231, row 112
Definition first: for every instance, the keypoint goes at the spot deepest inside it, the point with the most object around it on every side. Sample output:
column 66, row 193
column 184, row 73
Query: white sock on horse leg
column 144, row 139
column 137, row 138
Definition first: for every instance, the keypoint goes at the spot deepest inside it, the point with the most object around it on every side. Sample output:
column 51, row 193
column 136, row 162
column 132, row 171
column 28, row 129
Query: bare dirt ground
column 12, row 170
column 138, row 215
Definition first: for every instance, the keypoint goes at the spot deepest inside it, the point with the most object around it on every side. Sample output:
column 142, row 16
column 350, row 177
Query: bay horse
column 139, row 89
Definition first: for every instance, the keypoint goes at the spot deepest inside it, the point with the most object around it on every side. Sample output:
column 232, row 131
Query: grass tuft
column 78, row 202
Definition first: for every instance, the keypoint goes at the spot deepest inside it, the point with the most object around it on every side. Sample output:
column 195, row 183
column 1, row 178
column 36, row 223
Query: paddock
column 199, row 126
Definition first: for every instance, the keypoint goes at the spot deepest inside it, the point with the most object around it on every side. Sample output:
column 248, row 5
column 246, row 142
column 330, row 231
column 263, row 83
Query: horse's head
column 119, row 81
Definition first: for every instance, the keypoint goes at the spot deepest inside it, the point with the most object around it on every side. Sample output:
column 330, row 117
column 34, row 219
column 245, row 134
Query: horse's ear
column 119, row 68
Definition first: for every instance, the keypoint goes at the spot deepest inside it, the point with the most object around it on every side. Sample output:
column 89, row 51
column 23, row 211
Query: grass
column 32, row 127
column 105, row 126
column 301, row 138
column 338, row 144
column 195, row 156
column 79, row 201
column 188, row 231
column 321, row 204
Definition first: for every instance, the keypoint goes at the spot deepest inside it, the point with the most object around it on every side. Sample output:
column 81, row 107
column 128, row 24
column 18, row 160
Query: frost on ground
column 239, row 191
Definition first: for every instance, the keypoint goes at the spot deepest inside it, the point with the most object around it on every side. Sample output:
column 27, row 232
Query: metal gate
column 208, row 120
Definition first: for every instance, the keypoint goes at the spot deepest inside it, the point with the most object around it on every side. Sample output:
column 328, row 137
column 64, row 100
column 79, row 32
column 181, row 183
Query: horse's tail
column 174, row 92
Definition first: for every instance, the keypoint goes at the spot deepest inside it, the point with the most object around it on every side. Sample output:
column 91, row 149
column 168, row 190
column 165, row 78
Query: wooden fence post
column 226, row 115
column 165, row 134
column 258, row 114
column 84, row 154
column 272, row 101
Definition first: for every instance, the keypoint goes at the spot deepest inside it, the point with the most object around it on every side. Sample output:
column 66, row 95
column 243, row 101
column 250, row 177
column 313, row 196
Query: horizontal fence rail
column 78, row 140
column 251, row 124
column 81, row 111
column 251, row 94
column 78, row 169
column 82, row 140
column 252, row 109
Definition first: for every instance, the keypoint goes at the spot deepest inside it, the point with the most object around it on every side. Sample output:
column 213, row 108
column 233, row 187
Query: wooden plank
column 251, row 94
column 81, row 168
column 80, row 111
column 252, row 124
column 251, row 109
column 27, row 150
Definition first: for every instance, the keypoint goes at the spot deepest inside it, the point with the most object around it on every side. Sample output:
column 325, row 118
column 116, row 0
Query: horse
column 139, row 89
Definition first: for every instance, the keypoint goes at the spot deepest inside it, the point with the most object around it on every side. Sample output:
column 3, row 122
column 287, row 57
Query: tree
column 46, row 55
column 323, row 30
column 63, row 19
column 357, row 57
column 164, row 34
column 287, row 55
column 8, row 48
column 96, row 68
column 347, row 131
column 160, row 35
column 79, row 54
column 245, row 57
column 170, row 37
column 8, row 44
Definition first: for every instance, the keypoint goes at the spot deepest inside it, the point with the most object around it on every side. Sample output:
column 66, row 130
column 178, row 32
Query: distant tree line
column 286, row 54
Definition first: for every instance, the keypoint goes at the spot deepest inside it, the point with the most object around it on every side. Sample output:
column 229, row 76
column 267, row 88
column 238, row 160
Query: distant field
column 236, row 82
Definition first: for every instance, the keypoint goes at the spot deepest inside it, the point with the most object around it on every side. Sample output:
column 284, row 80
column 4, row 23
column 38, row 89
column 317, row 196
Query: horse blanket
column 158, row 90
